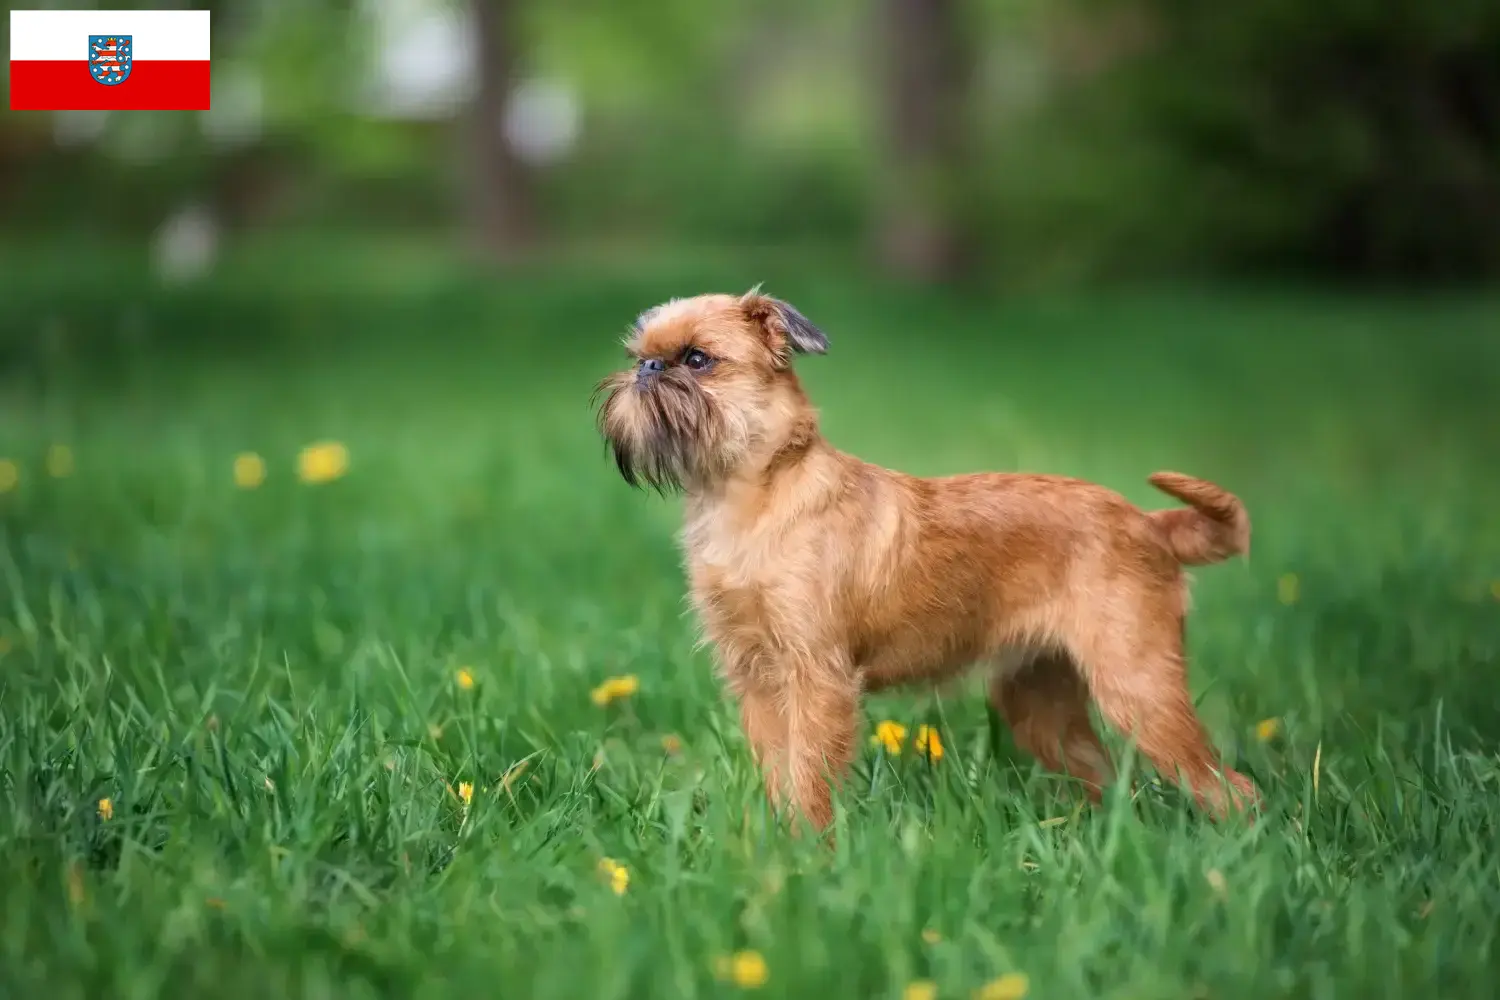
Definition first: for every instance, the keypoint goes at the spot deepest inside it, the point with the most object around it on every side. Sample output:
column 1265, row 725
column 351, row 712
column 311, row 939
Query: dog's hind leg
column 1045, row 703
column 1136, row 673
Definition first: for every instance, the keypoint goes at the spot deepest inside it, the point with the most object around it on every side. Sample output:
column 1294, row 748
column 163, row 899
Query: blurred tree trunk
column 501, row 207
column 925, row 70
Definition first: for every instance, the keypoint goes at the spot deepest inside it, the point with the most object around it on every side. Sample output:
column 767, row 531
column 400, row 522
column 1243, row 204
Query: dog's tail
column 1215, row 527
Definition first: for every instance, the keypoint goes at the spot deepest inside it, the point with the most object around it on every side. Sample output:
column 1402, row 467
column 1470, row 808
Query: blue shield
column 110, row 57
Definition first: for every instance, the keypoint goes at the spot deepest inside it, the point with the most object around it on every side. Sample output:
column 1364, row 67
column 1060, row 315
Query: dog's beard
column 667, row 435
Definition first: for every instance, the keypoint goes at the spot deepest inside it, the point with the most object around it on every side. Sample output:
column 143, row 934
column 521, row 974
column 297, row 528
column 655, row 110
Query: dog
column 818, row 577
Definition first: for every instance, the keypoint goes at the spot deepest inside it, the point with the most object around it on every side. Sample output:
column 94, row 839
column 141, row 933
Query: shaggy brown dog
column 818, row 576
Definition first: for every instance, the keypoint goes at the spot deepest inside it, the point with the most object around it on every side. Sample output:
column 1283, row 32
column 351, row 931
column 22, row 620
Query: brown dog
column 818, row 576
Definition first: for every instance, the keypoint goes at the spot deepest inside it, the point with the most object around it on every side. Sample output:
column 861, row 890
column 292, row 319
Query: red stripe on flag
column 67, row 85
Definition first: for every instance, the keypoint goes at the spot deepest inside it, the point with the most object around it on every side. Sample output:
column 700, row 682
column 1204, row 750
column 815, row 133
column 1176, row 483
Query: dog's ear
column 786, row 329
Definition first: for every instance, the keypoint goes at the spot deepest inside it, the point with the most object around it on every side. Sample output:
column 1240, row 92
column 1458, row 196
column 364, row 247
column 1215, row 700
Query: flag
column 96, row 60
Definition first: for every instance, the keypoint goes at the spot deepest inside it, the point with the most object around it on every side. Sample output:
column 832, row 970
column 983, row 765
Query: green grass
column 263, row 682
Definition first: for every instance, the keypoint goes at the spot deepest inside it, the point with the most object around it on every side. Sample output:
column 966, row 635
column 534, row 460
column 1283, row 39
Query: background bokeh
column 336, row 659
column 1003, row 141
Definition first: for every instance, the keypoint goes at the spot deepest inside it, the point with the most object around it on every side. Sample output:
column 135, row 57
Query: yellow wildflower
column 1266, row 729
column 1287, row 588
column 249, row 470
column 617, row 874
column 10, row 475
column 672, row 744
column 465, row 679
column 931, row 935
column 615, row 687
column 920, row 989
column 889, row 735
column 106, row 809
column 59, row 461
column 929, row 743
column 466, row 792
column 322, row 462
column 746, row 969
column 1011, row 986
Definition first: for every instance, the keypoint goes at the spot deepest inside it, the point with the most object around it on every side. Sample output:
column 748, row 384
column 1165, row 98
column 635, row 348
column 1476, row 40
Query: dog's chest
column 737, row 551
column 766, row 596
column 757, row 601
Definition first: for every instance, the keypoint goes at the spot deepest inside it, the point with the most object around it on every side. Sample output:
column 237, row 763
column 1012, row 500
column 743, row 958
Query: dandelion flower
column 615, row 687
column 746, row 969
column 466, row 792
column 1287, row 588
column 249, row 470
column 889, row 735
column 929, row 743
column 671, row 744
column 920, row 989
column 322, row 462
column 1011, row 986
column 465, row 679
column 1267, row 729
column 59, row 461
column 617, row 874
column 10, row 475
column 106, row 809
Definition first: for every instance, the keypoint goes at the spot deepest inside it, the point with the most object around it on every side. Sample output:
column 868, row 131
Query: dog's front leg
column 764, row 723
column 820, row 704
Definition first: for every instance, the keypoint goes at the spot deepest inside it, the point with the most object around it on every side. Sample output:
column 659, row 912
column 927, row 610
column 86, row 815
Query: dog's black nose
column 650, row 368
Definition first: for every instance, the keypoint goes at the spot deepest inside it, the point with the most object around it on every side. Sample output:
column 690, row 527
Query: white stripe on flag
column 62, row 35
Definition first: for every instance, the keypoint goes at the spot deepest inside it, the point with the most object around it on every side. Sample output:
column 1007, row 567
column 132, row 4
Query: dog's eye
column 696, row 360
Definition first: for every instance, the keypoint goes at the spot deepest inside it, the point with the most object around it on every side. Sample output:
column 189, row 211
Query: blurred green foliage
column 1356, row 138
column 1360, row 137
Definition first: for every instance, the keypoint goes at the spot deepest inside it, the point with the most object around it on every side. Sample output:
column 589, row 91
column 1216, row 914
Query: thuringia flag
column 96, row 60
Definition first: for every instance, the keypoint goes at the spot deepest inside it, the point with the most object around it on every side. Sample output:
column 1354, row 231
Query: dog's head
column 710, row 388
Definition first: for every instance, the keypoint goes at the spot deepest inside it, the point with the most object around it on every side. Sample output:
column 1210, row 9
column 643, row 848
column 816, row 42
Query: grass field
column 338, row 739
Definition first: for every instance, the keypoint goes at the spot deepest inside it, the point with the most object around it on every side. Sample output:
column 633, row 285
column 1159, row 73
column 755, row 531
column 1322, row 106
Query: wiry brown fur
column 818, row 576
